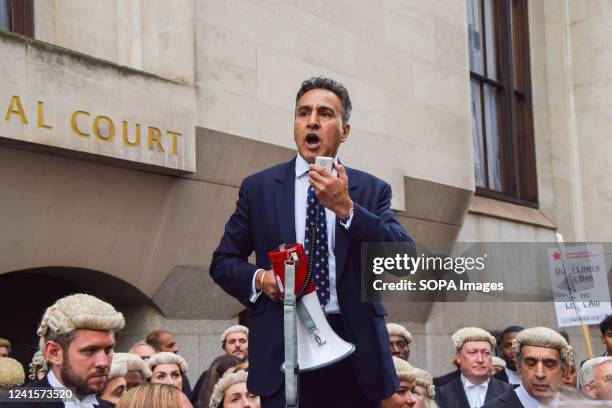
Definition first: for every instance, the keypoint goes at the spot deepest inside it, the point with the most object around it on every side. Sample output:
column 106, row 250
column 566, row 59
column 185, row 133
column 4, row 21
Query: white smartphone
column 326, row 162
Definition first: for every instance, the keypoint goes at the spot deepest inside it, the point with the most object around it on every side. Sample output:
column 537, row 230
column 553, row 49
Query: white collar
column 529, row 402
column 302, row 166
column 467, row 383
column 55, row 383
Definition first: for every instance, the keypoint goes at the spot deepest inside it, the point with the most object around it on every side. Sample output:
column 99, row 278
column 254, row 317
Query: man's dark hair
column 63, row 339
column 605, row 324
column 154, row 338
column 336, row 87
column 512, row 329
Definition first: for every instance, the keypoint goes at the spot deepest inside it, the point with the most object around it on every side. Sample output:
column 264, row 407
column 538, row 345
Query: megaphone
column 317, row 344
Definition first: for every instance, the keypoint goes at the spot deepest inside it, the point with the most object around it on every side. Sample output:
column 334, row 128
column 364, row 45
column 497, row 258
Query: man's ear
column 54, row 352
column 590, row 391
column 346, row 128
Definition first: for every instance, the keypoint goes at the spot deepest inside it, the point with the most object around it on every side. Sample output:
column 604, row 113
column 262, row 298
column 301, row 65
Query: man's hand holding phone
column 331, row 191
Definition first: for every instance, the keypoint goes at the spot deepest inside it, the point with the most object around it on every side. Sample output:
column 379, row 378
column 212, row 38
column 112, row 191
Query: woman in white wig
column 231, row 392
column 403, row 396
column 137, row 369
column 167, row 368
column 115, row 383
column 424, row 391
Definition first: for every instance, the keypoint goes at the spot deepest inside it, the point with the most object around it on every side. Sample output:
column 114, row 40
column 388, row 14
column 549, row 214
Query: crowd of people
column 535, row 367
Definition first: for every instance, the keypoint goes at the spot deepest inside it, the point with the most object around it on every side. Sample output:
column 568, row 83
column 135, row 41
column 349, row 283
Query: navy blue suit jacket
column 265, row 218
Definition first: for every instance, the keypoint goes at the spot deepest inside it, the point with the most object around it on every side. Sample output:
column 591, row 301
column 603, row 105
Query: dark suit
column 44, row 383
column 265, row 218
column 446, row 378
column 506, row 400
column 452, row 394
column 502, row 376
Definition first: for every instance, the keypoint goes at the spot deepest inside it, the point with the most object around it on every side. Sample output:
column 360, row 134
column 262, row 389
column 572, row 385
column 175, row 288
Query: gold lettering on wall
column 159, row 140
column 98, row 127
column 73, row 123
column 173, row 135
column 154, row 135
column 41, row 120
column 126, row 139
column 15, row 107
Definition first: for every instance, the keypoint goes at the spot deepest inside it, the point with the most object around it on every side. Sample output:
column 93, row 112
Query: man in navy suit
column 271, row 210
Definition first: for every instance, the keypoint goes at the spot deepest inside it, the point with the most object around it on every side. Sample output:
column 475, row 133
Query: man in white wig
column 474, row 386
column 595, row 378
column 542, row 357
column 399, row 340
column 235, row 342
column 77, row 337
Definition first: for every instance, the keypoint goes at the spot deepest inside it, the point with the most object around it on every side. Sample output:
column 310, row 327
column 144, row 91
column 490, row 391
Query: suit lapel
column 284, row 200
column 342, row 244
column 491, row 389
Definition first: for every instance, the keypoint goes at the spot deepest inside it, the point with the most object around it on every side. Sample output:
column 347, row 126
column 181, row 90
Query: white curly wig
column 165, row 357
column 228, row 379
column 543, row 337
column 79, row 311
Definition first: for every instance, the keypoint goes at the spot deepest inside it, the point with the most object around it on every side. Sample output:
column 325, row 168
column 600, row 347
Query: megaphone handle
column 309, row 323
column 290, row 332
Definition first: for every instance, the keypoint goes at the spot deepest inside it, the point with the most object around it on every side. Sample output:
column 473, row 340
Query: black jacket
column 446, row 378
column 452, row 395
column 508, row 399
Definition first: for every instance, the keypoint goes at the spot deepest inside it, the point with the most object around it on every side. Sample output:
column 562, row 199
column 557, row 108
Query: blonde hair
column 151, row 396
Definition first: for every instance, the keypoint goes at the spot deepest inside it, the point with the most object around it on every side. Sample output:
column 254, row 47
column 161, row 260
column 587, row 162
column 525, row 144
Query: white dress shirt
column 476, row 393
column 89, row 401
column 513, row 377
column 301, row 193
column 529, row 402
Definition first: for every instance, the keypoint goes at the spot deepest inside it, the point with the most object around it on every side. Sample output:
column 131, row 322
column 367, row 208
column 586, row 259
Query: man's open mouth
column 312, row 141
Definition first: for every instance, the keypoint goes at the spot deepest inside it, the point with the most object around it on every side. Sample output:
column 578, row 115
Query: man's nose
column 313, row 119
column 539, row 370
column 102, row 360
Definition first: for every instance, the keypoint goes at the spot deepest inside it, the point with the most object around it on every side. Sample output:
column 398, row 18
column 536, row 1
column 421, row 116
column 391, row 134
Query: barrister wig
column 499, row 362
column 134, row 363
column 395, row 329
column 462, row 336
column 118, row 369
column 165, row 357
column 39, row 363
column 404, row 370
column 228, row 379
column 11, row 372
column 234, row 329
column 543, row 337
column 79, row 311
column 423, row 379
column 5, row 343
